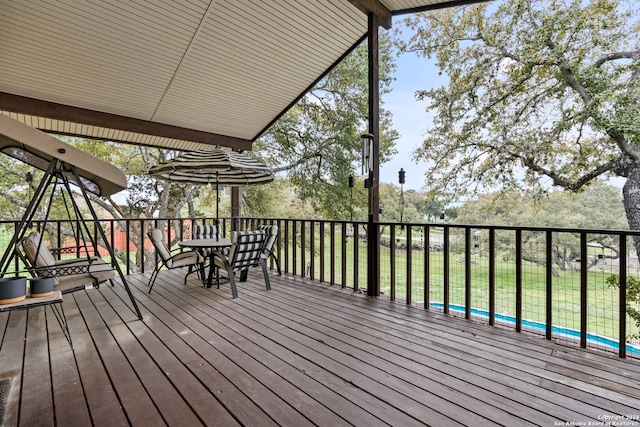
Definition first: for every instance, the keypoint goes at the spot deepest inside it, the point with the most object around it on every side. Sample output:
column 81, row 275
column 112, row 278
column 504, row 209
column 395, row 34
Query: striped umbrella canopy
column 213, row 166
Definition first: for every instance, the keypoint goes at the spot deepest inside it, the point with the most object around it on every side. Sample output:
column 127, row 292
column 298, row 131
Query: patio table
column 214, row 245
column 54, row 300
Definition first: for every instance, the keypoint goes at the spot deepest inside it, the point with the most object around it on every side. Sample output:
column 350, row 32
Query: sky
column 410, row 118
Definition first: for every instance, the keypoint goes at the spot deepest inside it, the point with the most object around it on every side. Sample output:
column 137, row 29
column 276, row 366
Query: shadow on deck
column 301, row 354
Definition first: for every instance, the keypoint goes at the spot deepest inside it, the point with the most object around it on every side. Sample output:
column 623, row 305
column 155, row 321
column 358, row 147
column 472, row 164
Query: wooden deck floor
column 301, row 354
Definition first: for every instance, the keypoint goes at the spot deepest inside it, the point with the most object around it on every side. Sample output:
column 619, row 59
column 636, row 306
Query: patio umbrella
column 213, row 166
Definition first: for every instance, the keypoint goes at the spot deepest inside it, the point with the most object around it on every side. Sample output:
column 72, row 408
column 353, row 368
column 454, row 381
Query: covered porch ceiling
column 179, row 75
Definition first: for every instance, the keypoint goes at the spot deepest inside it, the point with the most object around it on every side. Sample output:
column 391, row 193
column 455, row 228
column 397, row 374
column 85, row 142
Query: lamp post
column 29, row 178
column 401, row 181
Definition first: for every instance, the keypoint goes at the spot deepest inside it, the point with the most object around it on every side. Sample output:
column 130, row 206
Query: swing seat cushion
column 69, row 274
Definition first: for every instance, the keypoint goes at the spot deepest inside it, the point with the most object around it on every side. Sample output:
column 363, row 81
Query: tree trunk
column 631, row 195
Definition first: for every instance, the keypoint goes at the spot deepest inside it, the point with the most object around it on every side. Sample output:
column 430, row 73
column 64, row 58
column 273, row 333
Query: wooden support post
column 235, row 208
column 373, row 239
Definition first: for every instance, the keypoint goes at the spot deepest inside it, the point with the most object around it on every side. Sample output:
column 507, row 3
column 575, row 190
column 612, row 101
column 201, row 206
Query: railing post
column 409, row 256
column 95, row 238
column 112, row 242
column 322, row 249
column 549, row 285
column 16, row 229
column 492, row 276
column 155, row 253
column 332, row 250
column 467, row 273
column 622, row 299
column 286, row 246
column 583, row 289
column 519, row 280
column 392, row 261
column 427, row 266
column 59, row 240
column 343, row 257
column 312, row 249
column 303, row 248
column 356, row 256
column 128, row 246
column 169, row 225
column 141, row 248
column 279, row 240
column 294, row 247
column 445, row 266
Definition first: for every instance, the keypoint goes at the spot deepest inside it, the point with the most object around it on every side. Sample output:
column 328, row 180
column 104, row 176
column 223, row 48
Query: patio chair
column 271, row 233
column 205, row 232
column 246, row 252
column 189, row 259
column 70, row 274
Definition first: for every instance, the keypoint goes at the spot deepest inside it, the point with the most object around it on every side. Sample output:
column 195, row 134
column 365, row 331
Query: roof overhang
column 174, row 75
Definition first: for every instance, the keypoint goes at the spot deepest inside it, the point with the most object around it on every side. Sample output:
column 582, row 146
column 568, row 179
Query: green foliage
column 18, row 185
column 133, row 161
column 396, row 204
column 598, row 206
column 633, row 299
column 275, row 200
column 316, row 145
column 539, row 93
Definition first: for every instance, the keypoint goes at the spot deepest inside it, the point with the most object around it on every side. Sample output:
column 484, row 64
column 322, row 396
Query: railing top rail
column 463, row 226
column 616, row 232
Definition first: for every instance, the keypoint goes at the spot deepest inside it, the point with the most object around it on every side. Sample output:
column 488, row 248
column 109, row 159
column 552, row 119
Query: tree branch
column 630, row 54
column 11, row 198
column 565, row 183
column 315, row 153
column 568, row 75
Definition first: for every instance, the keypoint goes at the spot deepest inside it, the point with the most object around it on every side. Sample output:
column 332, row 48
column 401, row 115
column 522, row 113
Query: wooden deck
column 301, row 354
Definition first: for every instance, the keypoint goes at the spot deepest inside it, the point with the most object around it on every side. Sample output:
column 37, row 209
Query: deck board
column 256, row 329
column 301, row 354
column 36, row 408
column 421, row 361
column 68, row 394
column 497, row 345
column 102, row 401
column 11, row 361
column 172, row 360
column 415, row 391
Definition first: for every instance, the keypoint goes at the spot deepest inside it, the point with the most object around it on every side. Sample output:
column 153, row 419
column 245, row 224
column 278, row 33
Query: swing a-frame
column 63, row 166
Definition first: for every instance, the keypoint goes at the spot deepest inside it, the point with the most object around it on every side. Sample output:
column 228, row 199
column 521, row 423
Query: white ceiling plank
column 225, row 67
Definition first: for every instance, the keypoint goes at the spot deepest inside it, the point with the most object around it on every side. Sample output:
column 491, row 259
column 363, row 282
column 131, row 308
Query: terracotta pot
column 12, row 289
column 41, row 286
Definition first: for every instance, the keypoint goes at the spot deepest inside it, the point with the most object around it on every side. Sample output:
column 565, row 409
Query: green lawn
column 602, row 312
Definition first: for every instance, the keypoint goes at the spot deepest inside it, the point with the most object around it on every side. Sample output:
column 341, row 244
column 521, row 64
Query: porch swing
column 63, row 165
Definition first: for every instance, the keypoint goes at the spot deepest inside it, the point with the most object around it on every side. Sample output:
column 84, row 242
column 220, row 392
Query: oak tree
column 540, row 93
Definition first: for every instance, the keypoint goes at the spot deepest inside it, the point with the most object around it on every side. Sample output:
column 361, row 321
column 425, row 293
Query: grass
column 602, row 300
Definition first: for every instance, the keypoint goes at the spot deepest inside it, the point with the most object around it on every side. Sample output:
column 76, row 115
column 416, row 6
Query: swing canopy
column 62, row 165
column 38, row 149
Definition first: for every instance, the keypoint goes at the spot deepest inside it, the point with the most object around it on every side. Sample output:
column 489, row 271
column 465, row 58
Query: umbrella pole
column 217, row 208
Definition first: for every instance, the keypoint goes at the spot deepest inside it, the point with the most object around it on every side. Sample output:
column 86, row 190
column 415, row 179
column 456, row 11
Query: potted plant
column 12, row 289
column 41, row 286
